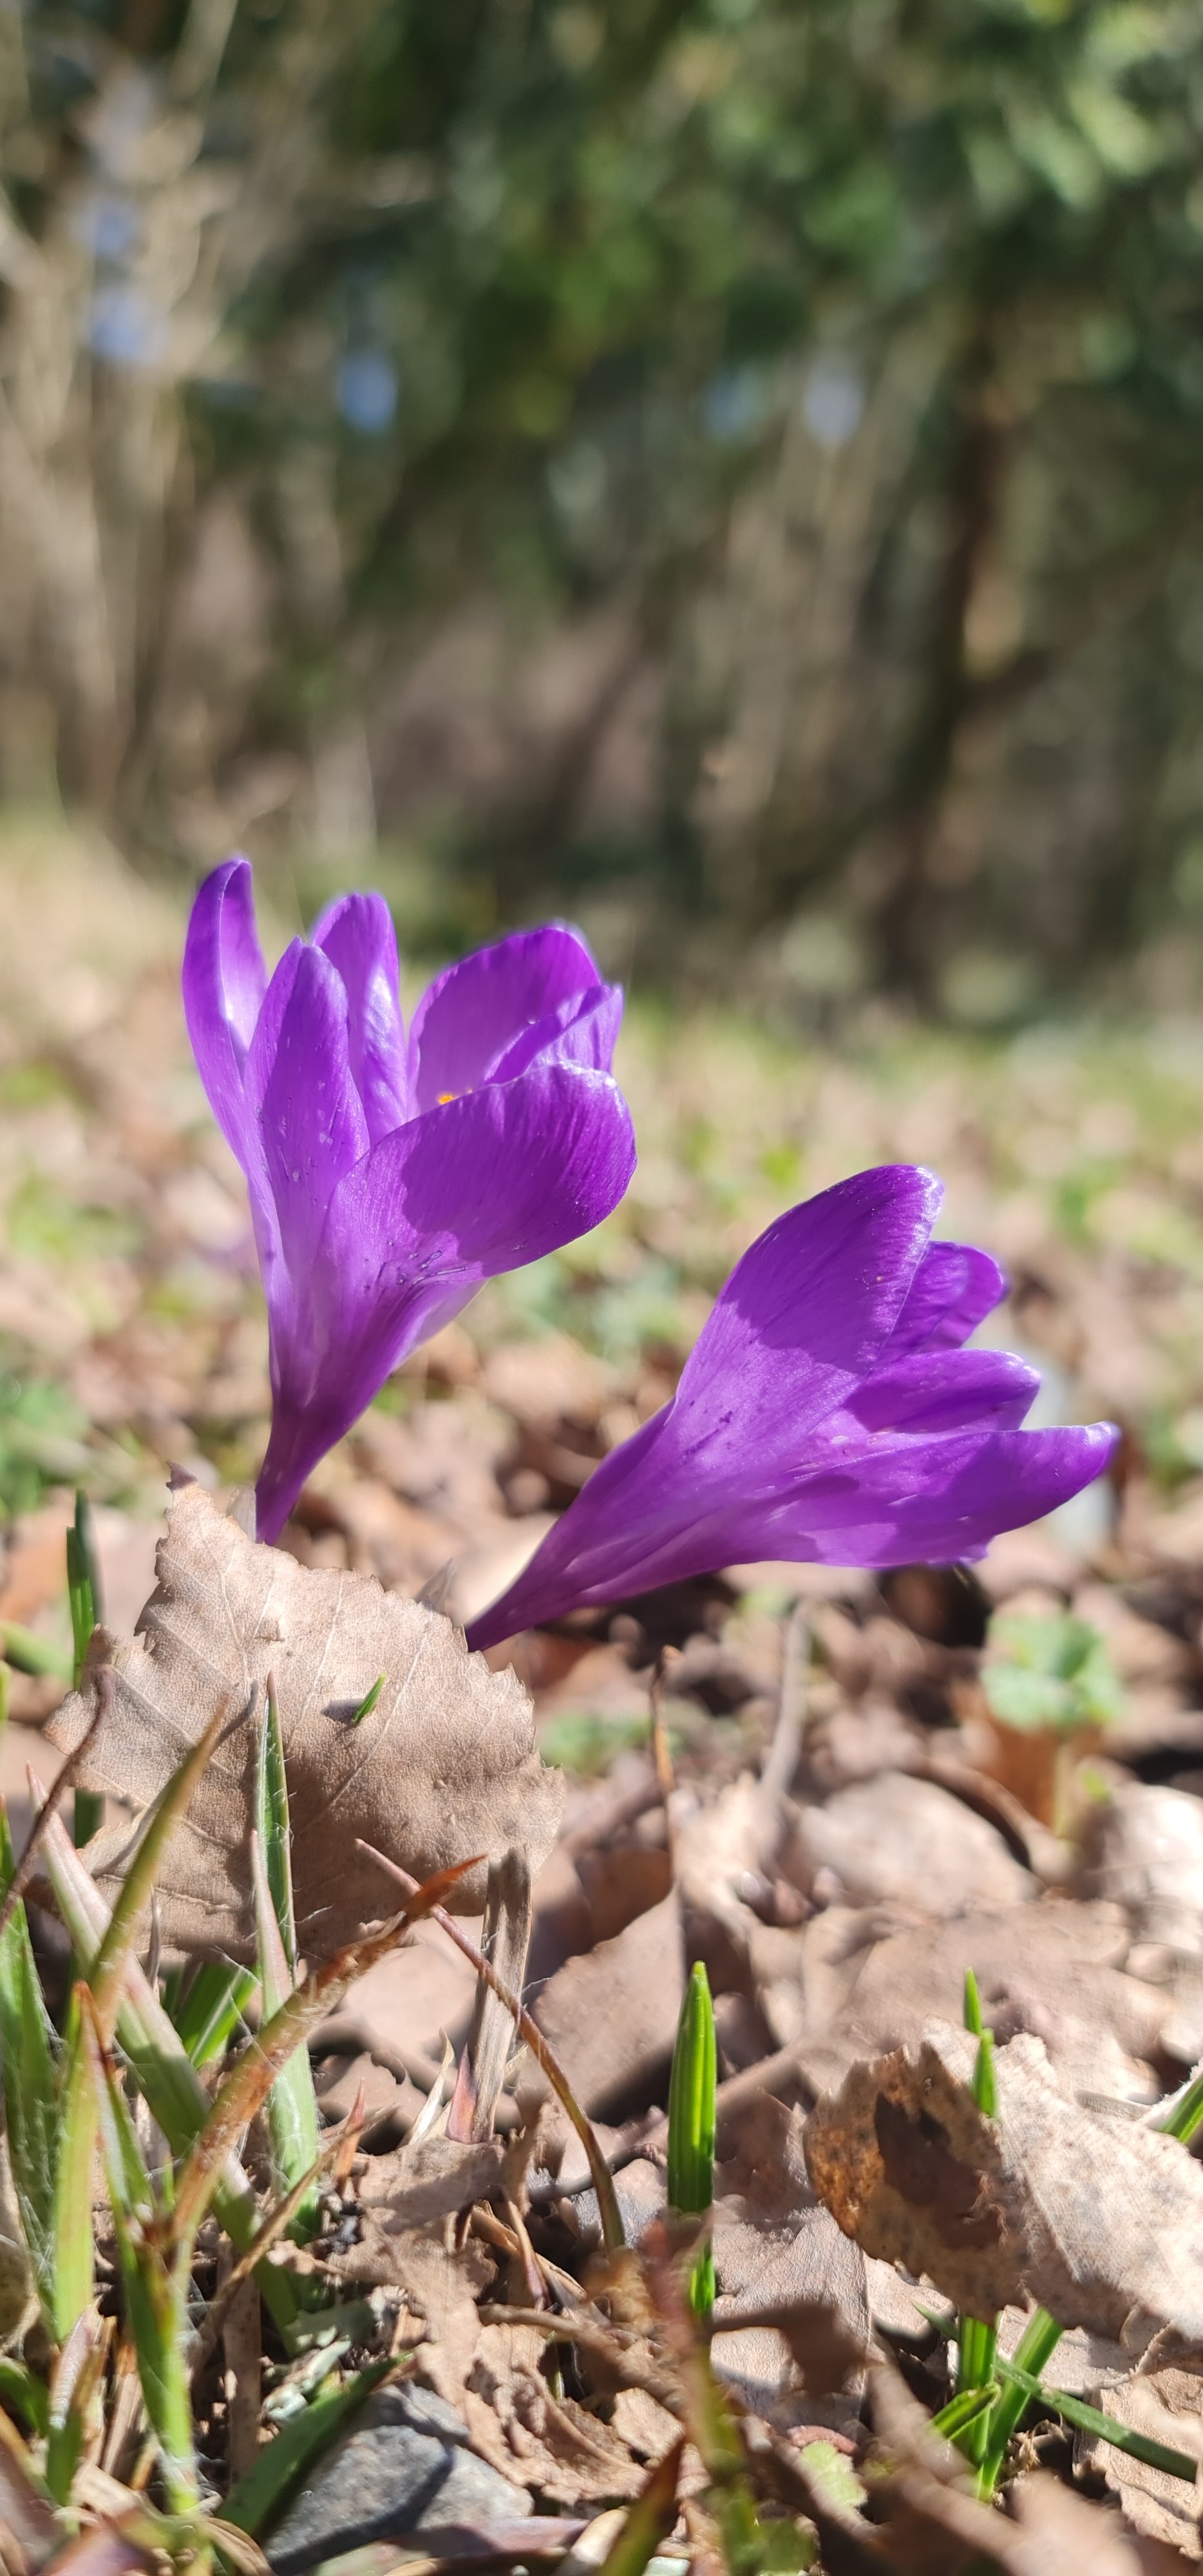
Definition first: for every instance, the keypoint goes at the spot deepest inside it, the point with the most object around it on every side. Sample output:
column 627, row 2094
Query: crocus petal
column 932, row 1502
column 941, row 1391
column 800, row 1322
column 481, row 1185
column 357, row 936
column 471, row 1014
column 224, row 981
column 310, row 1115
column 954, row 1288
column 582, row 1031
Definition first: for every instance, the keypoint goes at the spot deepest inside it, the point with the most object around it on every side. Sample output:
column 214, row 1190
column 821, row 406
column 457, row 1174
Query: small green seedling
column 292, row 2114
column 1049, row 1689
column 691, row 2121
column 1052, row 1673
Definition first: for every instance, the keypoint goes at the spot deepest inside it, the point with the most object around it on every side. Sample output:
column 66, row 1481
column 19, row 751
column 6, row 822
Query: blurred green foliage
column 1049, row 1672
column 835, row 365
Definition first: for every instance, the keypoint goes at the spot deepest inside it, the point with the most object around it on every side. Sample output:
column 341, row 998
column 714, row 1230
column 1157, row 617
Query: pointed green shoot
column 156, row 2305
column 32, row 2103
column 107, row 1975
column 1035, row 2347
column 964, row 2410
column 271, row 1819
column 368, row 1702
column 977, row 2337
column 691, row 2125
column 292, row 2120
column 83, row 1595
column 212, row 2008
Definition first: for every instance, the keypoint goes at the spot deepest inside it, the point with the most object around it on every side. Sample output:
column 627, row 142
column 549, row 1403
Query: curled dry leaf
column 1096, row 2219
column 1168, row 2406
column 443, row 1767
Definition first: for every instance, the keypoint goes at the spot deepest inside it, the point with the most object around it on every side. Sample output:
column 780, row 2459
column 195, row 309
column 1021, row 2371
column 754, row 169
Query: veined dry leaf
column 1096, row 2219
column 1168, row 2405
column 434, row 2178
column 794, row 2298
column 443, row 1767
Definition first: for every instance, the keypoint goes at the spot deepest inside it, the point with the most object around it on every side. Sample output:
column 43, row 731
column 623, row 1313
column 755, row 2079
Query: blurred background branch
column 728, row 468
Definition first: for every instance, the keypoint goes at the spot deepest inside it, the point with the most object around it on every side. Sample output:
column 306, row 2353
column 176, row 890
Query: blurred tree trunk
column 905, row 927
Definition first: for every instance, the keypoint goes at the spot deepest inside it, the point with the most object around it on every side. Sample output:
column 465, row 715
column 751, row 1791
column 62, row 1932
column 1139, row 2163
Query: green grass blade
column 272, row 1823
column 964, row 2409
column 292, row 2118
column 1187, row 2115
column 649, row 2519
column 83, row 1582
column 1036, row 2345
column 1106, row 2428
column 155, row 2297
column 74, row 2251
column 83, row 1596
column 71, row 2410
column 29, row 1654
column 254, row 2503
column 31, row 2084
column 212, row 2008
column 691, row 2124
column 162, row 2069
column 107, row 1975
column 21, row 2390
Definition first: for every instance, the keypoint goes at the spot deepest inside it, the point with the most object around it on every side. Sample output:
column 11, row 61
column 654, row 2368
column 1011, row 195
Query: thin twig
column 607, row 2199
column 661, row 1751
column 67, row 1777
column 781, row 1761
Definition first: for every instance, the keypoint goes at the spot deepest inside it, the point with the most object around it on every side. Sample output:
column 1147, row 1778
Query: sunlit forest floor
column 130, row 1316
column 927, row 1833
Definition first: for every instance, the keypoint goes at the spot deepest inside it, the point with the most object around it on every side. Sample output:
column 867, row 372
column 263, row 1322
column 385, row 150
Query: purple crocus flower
column 827, row 1412
column 388, row 1179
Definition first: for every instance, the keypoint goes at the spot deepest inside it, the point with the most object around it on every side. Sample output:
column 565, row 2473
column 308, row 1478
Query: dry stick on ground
column 243, row 2347
column 23, row 1873
column 665, row 1776
column 781, row 1761
column 607, row 2202
column 505, row 1937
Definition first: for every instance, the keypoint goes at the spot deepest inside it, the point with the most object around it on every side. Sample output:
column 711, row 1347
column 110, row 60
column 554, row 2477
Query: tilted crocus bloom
column 827, row 1412
column 389, row 1178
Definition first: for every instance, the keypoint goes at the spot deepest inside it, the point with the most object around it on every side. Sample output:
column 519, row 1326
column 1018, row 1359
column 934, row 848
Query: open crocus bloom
column 389, row 1178
column 827, row 1412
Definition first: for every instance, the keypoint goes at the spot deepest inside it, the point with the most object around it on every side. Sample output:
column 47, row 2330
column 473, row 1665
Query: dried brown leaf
column 1098, row 2220
column 794, row 2296
column 611, row 2015
column 435, row 2178
column 1166, row 2405
column 444, row 1765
